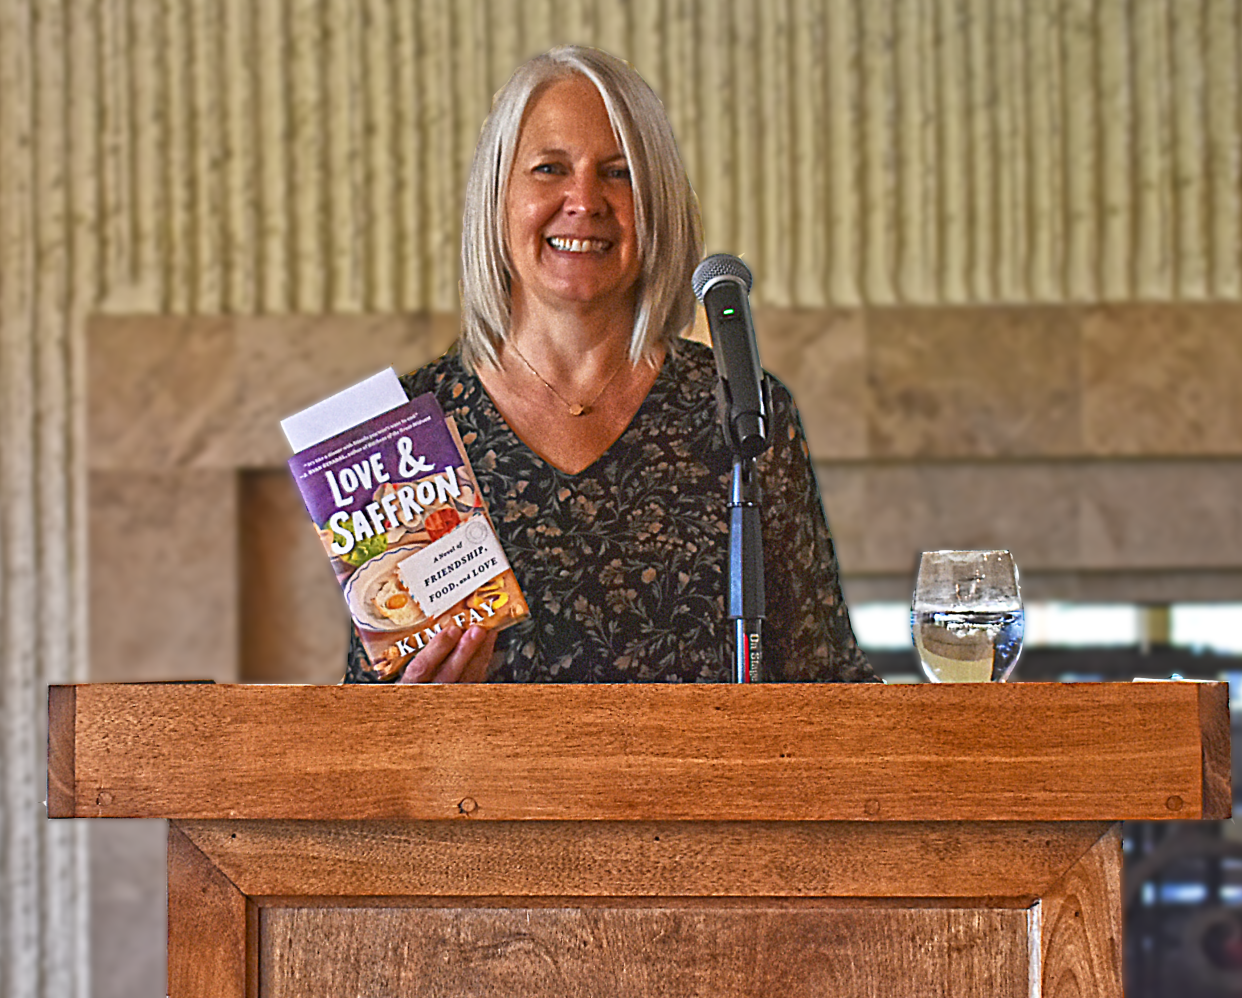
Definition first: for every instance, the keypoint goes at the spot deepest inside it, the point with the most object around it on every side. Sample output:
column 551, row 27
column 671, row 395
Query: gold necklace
column 575, row 408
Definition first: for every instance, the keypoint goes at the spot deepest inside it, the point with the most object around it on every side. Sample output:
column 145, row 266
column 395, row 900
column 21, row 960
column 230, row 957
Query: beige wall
column 305, row 156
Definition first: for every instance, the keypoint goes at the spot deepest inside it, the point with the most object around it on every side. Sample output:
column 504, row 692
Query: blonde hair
column 666, row 212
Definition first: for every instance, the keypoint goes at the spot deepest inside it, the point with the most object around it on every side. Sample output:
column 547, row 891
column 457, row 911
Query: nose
column 585, row 194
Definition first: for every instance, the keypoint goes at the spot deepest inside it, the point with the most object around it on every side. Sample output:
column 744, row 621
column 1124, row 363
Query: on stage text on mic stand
column 722, row 283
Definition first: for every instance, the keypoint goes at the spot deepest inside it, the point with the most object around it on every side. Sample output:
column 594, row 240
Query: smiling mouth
column 578, row 245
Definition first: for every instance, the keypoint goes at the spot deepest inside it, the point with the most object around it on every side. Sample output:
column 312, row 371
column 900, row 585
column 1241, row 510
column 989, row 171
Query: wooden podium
column 642, row 840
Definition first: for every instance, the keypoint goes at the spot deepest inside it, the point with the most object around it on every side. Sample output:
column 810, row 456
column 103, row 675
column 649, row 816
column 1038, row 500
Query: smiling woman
column 569, row 210
column 574, row 269
column 592, row 426
column 664, row 209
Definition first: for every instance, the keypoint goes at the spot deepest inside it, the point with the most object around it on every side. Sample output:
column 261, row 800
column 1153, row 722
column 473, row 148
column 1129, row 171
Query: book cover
column 400, row 515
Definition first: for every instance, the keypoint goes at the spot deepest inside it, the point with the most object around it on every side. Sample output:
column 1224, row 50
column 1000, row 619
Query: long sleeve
column 807, row 633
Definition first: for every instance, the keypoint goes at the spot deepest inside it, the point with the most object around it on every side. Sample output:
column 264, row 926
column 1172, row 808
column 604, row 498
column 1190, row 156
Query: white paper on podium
column 344, row 410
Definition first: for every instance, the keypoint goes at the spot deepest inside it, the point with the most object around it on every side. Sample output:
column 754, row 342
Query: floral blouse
column 624, row 565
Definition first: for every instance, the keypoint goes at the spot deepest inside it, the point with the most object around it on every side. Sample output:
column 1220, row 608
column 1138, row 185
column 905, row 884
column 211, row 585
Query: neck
column 572, row 349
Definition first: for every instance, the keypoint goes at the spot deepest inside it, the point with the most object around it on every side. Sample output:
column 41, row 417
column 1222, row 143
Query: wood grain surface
column 61, row 771
column 1013, row 752
column 720, row 908
column 643, row 952
column 1080, row 930
column 1217, row 775
column 212, row 928
column 615, row 859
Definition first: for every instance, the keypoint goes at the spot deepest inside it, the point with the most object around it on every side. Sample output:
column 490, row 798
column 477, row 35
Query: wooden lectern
column 788, row 840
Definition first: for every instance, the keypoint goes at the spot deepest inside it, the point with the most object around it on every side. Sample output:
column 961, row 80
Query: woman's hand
column 453, row 657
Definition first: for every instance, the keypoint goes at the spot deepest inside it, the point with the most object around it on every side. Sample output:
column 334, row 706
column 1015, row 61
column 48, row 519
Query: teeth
column 578, row 245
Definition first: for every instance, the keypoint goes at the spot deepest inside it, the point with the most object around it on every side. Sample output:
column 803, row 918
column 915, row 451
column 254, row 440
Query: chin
column 584, row 292
column 601, row 297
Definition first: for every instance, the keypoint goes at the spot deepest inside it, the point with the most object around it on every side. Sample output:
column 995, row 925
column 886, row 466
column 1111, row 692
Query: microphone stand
column 722, row 283
column 746, row 590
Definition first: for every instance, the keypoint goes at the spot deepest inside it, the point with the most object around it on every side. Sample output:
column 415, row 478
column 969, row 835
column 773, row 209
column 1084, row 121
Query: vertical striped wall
column 275, row 156
column 308, row 155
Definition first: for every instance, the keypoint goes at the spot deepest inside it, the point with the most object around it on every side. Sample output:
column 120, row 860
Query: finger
column 453, row 666
column 480, row 663
column 424, row 665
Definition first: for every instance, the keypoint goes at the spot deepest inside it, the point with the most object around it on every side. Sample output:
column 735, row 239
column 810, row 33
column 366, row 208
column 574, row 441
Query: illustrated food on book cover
column 399, row 512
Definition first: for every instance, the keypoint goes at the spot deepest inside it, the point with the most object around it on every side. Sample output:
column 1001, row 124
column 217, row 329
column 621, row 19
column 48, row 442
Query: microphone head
column 717, row 266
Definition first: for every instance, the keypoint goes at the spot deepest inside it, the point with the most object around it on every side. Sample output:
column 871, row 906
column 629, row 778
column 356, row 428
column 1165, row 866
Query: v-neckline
column 670, row 357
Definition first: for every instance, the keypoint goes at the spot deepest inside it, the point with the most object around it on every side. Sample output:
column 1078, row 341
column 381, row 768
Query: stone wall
column 1111, row 473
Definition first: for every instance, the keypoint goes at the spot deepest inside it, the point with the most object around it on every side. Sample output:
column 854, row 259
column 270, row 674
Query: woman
column 592, row 427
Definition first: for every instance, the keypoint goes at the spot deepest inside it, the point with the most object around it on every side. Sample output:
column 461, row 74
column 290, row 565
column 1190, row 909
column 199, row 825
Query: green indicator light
column 727, row 311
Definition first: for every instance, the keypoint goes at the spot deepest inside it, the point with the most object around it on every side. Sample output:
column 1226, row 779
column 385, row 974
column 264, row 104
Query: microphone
column 722, row 283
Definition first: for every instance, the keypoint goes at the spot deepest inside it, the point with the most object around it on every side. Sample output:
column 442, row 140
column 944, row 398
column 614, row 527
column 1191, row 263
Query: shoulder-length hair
column 666, row 213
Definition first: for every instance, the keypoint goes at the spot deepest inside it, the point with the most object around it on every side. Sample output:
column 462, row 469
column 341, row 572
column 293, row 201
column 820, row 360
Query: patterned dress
column 624, row 565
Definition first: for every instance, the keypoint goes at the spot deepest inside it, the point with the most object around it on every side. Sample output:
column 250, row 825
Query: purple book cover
column 398, row 510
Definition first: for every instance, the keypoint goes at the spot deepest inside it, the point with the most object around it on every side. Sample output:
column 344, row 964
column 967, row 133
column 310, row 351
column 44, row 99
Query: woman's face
column 570, row 206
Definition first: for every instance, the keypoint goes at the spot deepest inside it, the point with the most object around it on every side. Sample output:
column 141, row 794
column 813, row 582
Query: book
column 400, row 515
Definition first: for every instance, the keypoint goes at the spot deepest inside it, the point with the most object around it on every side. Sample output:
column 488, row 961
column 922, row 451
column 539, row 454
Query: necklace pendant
column 577, row 409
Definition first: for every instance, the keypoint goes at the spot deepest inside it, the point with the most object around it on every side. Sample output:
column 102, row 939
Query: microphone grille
column 719, row 265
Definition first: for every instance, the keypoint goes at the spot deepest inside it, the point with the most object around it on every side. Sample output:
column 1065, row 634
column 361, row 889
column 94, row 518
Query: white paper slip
column 451, row 568
column 344, row 410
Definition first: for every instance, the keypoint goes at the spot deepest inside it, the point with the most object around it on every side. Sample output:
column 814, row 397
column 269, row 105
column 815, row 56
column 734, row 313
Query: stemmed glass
column 966, row 616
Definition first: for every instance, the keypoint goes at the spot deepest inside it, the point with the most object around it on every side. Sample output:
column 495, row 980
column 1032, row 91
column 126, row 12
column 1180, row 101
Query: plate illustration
column 378, row 579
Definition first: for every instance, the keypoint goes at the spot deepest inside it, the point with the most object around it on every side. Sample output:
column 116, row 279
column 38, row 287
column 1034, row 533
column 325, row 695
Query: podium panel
column 407, row 909
column 642, row 952
column 642, row 841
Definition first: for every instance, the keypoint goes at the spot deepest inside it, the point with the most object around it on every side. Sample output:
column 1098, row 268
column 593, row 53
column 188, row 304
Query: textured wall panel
column 309, row 156
column 46, row 221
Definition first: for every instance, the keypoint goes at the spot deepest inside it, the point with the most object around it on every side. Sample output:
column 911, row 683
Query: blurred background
column 998, row 259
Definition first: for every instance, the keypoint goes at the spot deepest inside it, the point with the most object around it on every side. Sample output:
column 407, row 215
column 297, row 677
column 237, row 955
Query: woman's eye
column 619, row 173
column 552, row 168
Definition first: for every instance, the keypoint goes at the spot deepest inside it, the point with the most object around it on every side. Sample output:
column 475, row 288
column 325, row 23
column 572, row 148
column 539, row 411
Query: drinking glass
column 966, row 616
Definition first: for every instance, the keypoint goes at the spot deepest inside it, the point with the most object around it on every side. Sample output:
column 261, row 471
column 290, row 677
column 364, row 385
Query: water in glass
column 966, row 617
